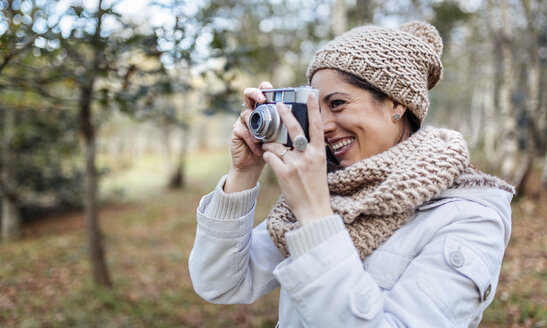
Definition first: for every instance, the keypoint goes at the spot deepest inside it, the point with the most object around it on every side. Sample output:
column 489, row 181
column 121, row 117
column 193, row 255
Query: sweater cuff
column 301, row 240
column 231, row 206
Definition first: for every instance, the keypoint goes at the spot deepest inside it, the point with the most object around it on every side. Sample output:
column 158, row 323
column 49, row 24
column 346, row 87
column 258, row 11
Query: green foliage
column 240, row 37
column 447, row 14
column 123, row 63
column 45, row 142
column 44, row 72
column 46, row 149
column 21, row 23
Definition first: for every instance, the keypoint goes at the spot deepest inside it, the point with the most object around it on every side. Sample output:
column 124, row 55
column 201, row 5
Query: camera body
column 265, row 123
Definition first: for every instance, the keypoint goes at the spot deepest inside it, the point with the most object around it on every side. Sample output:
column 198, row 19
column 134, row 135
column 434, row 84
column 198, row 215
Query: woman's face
column 356, row 126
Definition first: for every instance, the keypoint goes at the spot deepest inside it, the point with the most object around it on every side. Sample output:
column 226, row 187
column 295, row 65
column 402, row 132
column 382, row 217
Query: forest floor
column 45, row 278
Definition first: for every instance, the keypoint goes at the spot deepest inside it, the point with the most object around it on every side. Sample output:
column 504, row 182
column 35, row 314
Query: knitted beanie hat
column 404, row 63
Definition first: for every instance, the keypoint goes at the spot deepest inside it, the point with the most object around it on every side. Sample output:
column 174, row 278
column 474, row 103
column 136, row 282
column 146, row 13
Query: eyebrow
column 327, row 97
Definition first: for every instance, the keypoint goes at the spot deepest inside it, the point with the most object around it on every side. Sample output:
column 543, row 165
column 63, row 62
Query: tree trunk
column 94, row 236
column 490, row 118
column 475, row 117
column 364, row 11
column 178, row 178
column 523, row 177
column 542, row 107
column 544, row 173
column 509, row 165
column 11, row 219
column 339, row 18
column 165, row 133
column 532, row 97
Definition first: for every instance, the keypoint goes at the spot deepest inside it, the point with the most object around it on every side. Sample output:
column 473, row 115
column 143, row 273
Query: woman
column 403, row 232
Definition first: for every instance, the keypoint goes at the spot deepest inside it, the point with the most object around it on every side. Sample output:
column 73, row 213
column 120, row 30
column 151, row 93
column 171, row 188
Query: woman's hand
column 302, row 175
column 247, row 161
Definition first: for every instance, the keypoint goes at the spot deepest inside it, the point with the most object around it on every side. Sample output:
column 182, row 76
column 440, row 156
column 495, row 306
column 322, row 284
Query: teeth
column 342, row 144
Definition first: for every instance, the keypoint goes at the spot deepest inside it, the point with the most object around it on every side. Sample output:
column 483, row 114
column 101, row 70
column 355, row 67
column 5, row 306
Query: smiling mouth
column 341, row 145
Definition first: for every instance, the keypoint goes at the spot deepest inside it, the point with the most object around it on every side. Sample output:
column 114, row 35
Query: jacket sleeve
column 448, row 283
column 231, row 262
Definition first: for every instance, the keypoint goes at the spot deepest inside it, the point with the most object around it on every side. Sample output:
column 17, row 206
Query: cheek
column 375, row 133
column 370, row 123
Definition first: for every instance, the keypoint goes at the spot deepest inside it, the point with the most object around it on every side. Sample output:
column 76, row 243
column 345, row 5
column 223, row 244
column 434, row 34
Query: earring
column 396, row 117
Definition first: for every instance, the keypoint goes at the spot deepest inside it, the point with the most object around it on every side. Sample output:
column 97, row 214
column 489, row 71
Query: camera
column 265, row 123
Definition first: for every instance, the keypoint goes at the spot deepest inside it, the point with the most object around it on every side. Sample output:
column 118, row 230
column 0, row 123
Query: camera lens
column 255, row 121
column 264, row 122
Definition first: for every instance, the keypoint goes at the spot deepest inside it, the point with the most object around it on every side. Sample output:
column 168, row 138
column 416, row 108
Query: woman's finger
column 315, row 123
column 242, row 132
column 276, row 148
column 265, row 85
column 275, row 162
column 255, row 95
column 244, row 116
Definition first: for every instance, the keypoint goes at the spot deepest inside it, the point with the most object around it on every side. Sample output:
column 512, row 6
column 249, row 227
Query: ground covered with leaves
column 45, row 278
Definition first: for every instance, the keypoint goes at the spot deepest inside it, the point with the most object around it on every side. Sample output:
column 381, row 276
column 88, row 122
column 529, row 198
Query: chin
column 347, row 162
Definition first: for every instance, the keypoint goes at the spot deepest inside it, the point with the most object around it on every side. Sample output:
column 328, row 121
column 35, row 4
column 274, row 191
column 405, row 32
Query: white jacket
column 439, row 270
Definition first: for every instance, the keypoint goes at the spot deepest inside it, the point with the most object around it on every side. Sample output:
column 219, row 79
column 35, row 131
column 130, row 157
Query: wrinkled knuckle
column 308, row 164
column 312, row 154
column 317, row 124
column 267, row 155
column 291, row 169
column 265, row 85
column 302, row 166
column 320, row 155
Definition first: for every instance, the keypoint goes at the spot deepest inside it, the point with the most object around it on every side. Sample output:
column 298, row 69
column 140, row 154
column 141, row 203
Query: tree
column 11, row 219
column 506, row 89
column 99, row 66
column 23, row 24
column 532, row 103
column 11, row 46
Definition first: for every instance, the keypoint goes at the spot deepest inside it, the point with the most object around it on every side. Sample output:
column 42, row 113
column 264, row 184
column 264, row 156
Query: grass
column 45, row 278
column 135, row 179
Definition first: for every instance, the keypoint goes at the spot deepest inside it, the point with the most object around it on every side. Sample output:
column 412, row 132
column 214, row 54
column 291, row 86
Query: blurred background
column 115, row 118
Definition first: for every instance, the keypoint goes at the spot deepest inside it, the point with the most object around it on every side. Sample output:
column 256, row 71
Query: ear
column 398, row 111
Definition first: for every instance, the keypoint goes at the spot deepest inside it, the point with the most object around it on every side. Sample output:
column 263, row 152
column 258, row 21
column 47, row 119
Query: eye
column 336, row 103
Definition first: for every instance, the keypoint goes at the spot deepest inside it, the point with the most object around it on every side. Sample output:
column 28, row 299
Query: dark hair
column 409, row 119
column 378, row 95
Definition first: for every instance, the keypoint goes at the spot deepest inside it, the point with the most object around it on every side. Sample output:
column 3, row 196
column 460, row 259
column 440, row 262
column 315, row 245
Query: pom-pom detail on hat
column 426, row 32
column 430, row 36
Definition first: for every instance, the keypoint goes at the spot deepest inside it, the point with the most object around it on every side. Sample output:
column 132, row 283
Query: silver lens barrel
column 264, row 122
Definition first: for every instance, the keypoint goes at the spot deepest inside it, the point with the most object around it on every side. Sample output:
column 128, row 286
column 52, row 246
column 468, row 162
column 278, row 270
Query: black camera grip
column 300, row 112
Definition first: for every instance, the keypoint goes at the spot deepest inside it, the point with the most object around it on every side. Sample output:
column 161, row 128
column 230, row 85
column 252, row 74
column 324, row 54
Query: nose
column 329, row 121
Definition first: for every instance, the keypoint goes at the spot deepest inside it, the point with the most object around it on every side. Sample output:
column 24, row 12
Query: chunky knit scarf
column 377, row 195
